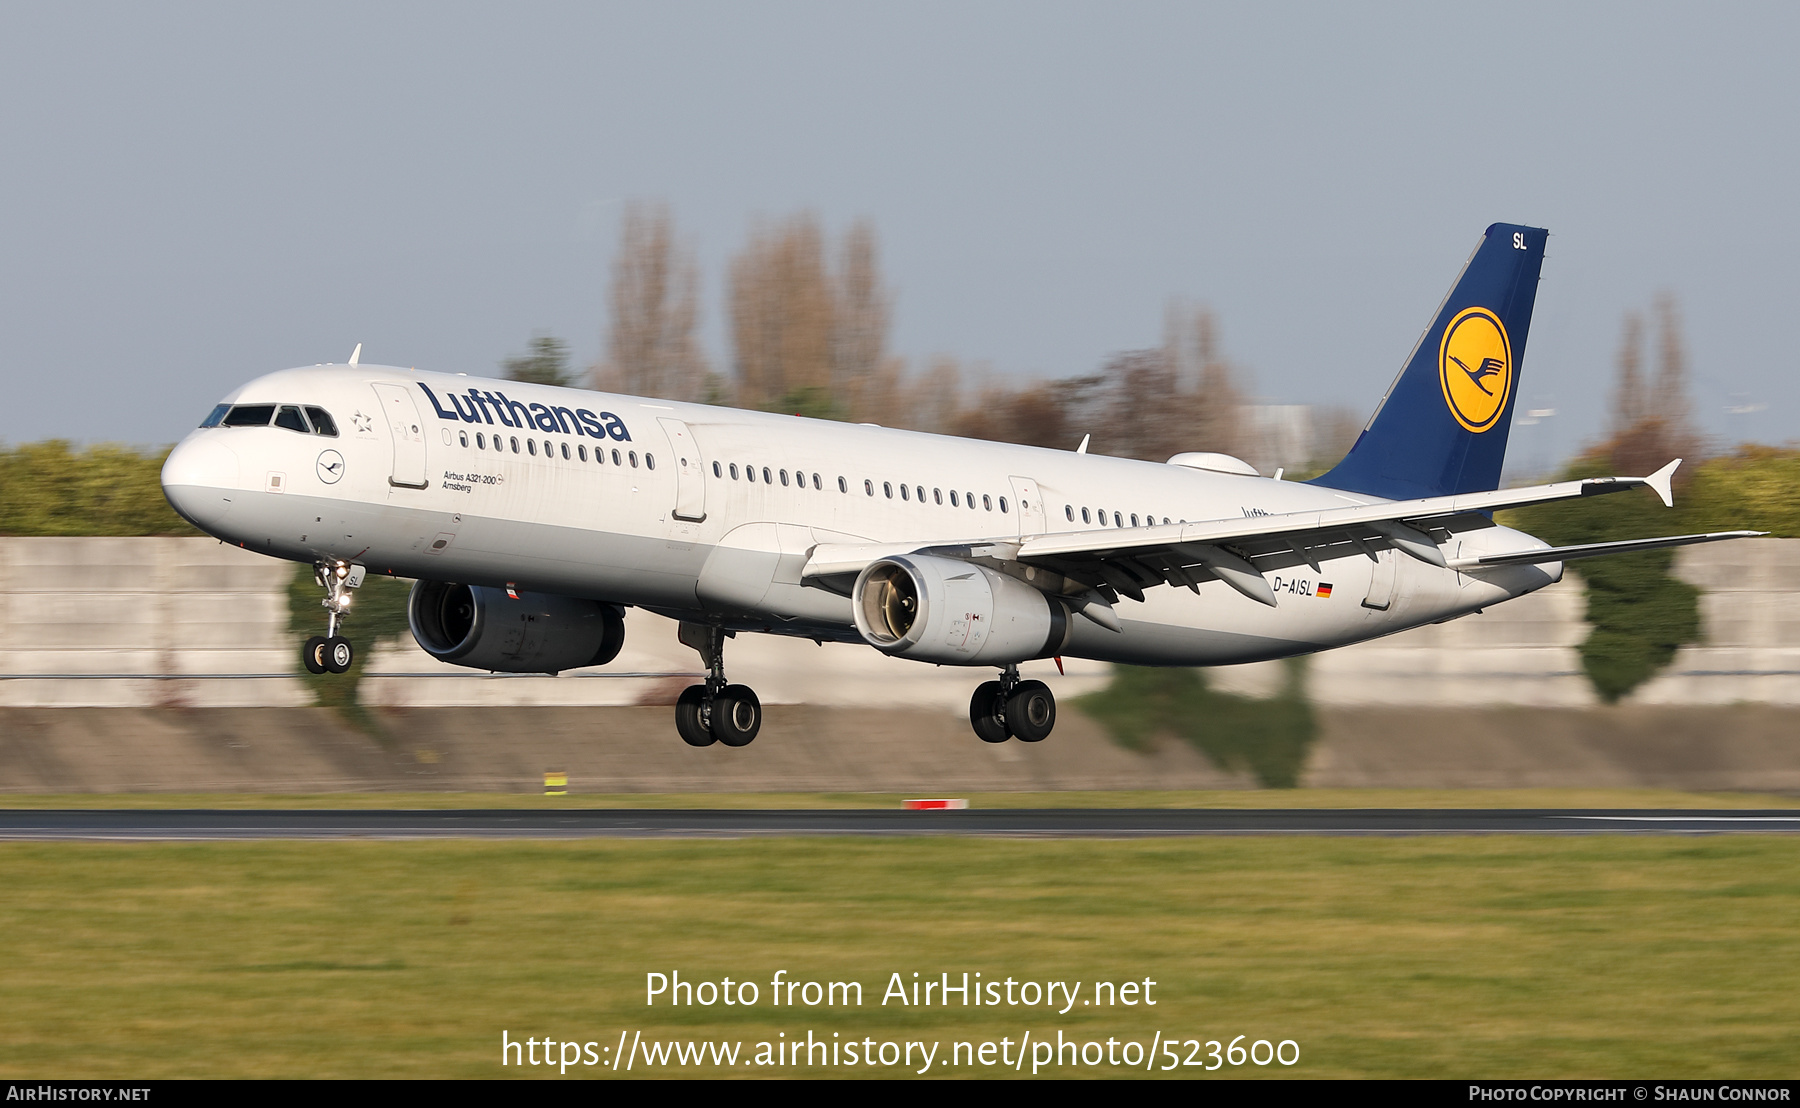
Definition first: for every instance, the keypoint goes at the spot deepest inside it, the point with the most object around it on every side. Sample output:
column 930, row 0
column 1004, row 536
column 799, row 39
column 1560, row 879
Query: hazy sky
column 194, row 195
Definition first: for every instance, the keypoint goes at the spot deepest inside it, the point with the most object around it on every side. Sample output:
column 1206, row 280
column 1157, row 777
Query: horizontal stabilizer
column 1596, row 549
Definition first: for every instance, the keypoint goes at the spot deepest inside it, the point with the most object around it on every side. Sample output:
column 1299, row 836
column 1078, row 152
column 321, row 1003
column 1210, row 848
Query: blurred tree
column 865, row 378
column 48, row 488
column 935, row 397
column 547, row 364
column 811, row 339
column 1653, row 420
column 781, row 314
column 1212, row 404
column 652, row 349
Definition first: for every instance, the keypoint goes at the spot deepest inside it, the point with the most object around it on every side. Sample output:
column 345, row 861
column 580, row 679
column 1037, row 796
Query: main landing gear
column 715, row 711
column 331, row 652
column 1013, row 709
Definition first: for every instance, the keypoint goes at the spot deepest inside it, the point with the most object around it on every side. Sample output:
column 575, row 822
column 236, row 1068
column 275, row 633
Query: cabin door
column 690, row 471
column 1383, row 576
column 408, row 433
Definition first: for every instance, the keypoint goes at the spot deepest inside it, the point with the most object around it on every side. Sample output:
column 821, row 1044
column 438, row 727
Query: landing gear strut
column 1011, row 708
column 331, row 652
column 715, row 711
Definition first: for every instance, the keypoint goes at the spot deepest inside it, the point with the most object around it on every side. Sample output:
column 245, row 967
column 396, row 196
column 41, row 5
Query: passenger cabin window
column 716, row 470
column 289, row 417
column 1069, row 512
column 1003, row 504
column 650, row 461
column 986, row 503
column 217, row 414
column 322, row 423
column 462, row 437
column 250, row 415
column 953, row 502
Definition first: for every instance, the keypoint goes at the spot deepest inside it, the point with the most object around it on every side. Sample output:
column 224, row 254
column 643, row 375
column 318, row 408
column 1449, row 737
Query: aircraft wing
column 1595, row 549
column 1098, row 566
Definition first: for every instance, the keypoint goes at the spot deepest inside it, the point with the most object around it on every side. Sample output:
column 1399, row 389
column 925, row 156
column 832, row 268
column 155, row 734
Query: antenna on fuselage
column 355, row 354
column 1082, row 449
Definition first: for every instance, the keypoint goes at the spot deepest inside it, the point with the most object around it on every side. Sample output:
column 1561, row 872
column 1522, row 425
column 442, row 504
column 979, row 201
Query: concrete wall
column 143, row 622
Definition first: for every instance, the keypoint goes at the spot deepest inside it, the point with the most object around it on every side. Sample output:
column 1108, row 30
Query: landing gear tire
column 987, row 713
column 313, row 654
column 691, row 717
column 1031, row 711
column 736, row 715
column 339, row 654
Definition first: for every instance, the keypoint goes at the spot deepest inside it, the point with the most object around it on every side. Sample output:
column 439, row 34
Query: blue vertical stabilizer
column 1442, row 427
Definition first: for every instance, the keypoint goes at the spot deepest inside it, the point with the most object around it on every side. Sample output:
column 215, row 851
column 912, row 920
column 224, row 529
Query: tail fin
column 1441, row 428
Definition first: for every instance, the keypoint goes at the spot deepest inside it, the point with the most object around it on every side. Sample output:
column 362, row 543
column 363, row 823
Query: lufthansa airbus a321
column 531, row 517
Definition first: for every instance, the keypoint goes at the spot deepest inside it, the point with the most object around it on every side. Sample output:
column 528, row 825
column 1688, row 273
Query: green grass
column 1410, row 957
column 1174, row 798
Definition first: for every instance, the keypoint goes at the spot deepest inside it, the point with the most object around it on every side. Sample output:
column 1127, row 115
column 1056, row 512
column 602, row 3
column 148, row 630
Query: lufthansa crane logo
column 1475, row 367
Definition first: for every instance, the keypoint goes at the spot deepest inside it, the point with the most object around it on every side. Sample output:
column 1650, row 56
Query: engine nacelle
column 942, row 610
column 483, row 628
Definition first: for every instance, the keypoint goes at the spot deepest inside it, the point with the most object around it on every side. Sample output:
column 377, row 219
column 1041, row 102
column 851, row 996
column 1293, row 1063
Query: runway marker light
column 933, row 805
column 556, row 784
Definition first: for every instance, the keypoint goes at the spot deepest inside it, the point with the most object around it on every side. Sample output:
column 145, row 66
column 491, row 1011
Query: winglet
column 355, row 354
column 1082, row 449
column 1661, row 481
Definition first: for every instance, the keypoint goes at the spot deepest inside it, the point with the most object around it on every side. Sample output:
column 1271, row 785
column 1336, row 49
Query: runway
column 500, row 823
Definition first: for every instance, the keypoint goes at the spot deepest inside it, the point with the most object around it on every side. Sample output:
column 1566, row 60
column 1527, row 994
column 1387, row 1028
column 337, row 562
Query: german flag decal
column 1324, row 592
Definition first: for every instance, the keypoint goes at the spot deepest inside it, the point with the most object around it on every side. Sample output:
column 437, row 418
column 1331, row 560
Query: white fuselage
column 653, row 506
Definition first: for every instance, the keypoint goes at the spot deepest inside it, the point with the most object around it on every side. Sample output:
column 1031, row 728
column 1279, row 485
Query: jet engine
column 951, row 612
column 483, row 628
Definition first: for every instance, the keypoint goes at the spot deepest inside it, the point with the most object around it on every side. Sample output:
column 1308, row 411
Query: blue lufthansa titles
column 495, row 406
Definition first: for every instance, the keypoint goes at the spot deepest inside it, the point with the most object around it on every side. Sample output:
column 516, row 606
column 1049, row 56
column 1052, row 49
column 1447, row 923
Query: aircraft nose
column 199, row 479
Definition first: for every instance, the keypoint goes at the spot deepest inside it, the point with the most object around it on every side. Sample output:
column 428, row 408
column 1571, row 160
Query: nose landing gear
column 1011, row 708
column 331, row 652
column 715, row 711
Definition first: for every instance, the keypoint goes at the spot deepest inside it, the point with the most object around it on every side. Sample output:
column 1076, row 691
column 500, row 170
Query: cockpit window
column 213, row 417
column 250, row 415
column 322, row 422
column 289, row 417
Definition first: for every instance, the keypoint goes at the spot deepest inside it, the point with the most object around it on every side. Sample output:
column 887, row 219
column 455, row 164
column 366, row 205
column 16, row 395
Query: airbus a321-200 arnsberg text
column 532, row 516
